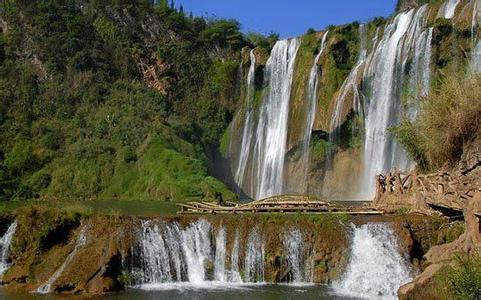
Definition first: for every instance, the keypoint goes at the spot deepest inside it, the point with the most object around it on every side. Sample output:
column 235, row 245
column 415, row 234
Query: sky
column 289, row 17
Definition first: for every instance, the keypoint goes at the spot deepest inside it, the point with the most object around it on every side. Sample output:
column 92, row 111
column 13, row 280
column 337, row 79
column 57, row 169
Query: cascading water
column 376, row 267
column 311, row 111
column 266, row 157
column 385, row 80
column 5, row 242
column 271, row 132
column 234, row 260
column 301, row 268
column 247, row 131
column 254, row 257
column 197, row 249
column 168, row 256
column 350, row 86
column 80, row 242
column 220, row 255
column 448, row 9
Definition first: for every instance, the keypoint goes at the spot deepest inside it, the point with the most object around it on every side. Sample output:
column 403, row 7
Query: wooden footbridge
column 285, row 204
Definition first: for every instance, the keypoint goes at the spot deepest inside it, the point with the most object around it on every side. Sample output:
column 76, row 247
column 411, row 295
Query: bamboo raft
column 286, row 204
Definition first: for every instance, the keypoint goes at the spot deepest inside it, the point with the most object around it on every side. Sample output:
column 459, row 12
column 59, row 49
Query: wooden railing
column 443, row 189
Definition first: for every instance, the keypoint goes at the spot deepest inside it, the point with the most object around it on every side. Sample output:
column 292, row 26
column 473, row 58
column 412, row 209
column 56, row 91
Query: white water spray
column 5, row 242
column 376, row 267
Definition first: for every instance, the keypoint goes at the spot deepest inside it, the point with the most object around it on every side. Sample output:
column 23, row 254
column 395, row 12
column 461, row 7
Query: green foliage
column 352, row 131
column 76, row 111
column 462, row 281
column 261, row 41
column 39, row 228
column 434, row 142
column 20, row 158
column 165, row 174
column 409, row 136
column 319, row 150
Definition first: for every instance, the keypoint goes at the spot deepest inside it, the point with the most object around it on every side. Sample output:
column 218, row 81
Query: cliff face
column 349, row 70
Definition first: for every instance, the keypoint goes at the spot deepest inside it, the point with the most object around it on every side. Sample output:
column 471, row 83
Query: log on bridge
column 286, row 204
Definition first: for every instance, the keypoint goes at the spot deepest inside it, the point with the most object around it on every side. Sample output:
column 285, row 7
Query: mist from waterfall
column 376, row 268
column 386, row 78
column 5, row 242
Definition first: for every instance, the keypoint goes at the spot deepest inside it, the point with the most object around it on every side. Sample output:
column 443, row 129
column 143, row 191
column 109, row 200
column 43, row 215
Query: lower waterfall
column 301, row 268
column 376, row 267
column 5, row 242
column 200, row 256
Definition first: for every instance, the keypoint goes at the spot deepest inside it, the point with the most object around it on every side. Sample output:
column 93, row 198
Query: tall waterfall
column 271, row 132
column 79, row 243
column 349, row 87
column 448, row 9
column 311, row 110
column 405, row 38
column 5, row 242
column 266, row 156
column 376, row 267
column 247, row 131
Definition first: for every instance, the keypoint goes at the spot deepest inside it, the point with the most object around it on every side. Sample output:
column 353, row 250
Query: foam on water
column 376, row 267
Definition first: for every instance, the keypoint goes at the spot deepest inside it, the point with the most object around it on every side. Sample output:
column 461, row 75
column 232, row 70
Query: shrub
column 20, row 157
column 463, row 280
column 450, row 117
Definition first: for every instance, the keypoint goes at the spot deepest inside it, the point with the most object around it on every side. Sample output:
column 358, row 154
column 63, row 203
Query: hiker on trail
column 220, row 200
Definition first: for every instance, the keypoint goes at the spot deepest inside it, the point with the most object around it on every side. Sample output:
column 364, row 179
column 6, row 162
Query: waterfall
column 220, row 255
column 254, row 258
column 300, row 266
column 5, row 242
column 247, row 130
column 476, row 52
column 234, row 260
column 197, row 249
column 311, row 110
column 271, row 132
column 376, row 267
column 168, row 256
column 386, row 77
column 349, row 86
column 476, row 58
column 80, row 242
column 448, row 9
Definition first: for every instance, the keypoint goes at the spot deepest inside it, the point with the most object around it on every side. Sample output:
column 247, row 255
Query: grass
column 463, row 280
column 449, row 119
column 145, row 208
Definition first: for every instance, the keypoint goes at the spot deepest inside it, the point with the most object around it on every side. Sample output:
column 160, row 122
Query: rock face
column 408, row 4
column 424, row 286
